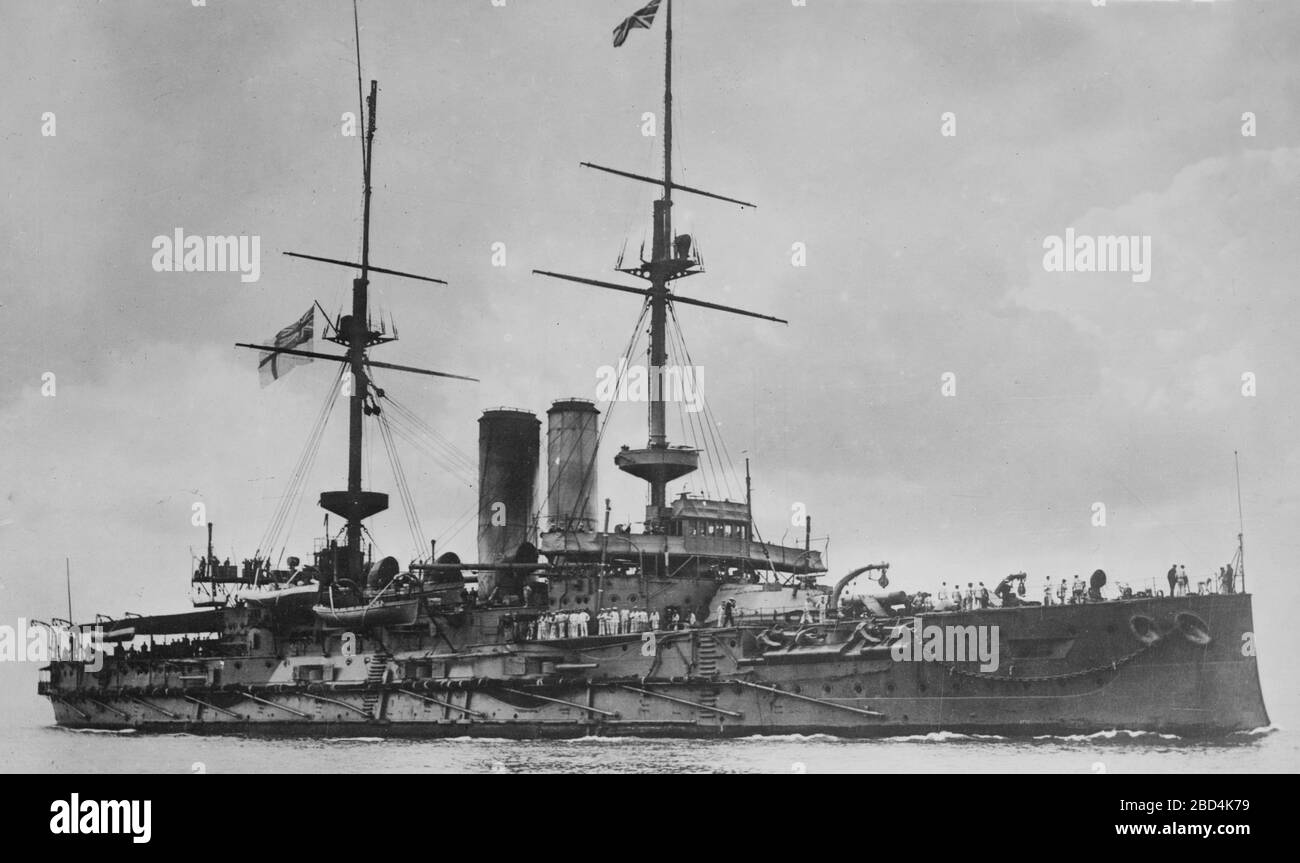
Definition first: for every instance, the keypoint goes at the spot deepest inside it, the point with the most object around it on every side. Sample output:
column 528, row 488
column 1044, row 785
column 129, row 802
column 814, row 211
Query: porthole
column 797, row 690
column 613, row 597
column 826, row 690
column 732, row 642
column 857, row 687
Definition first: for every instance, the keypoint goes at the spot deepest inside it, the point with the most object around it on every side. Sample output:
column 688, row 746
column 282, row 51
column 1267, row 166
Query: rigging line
column 420, row 446
column 399, row 475
column 474, row 510
column 609, row 411
column 696, row 433
column 401, row 425
column 711, row 459
column 287, row 527
column 293, row 497
column 416, row 527
column 457, row 525
column 419, row 425
column 590, row 466
column 293, row 486
column 361, row 101
column 719, row 438
column 447, row 450
column 403, row 488
column 383, row 434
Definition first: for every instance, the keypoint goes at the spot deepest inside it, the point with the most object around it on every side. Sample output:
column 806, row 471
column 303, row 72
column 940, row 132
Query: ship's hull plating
column 1183, row 665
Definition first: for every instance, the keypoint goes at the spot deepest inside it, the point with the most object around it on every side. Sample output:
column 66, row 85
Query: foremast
column 355, row 333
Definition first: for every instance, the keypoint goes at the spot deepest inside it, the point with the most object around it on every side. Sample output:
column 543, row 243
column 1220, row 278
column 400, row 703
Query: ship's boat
column 400, row 612
column 294, row 597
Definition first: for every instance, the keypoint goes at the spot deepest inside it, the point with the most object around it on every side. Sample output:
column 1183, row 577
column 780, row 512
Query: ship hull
column 1182, row 665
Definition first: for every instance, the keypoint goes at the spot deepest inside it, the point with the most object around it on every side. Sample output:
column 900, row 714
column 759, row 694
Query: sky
column 924, row 264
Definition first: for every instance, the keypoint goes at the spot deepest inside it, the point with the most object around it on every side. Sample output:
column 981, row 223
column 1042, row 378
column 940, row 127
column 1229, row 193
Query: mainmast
column 670, row 259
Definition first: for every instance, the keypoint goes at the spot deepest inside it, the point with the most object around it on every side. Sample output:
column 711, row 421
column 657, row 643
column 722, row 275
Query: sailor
column 984, row 596
column 1062, row 592
column 1182, row 580
column 729, row 612
column 1047, row 592
column 583, row 619
column 1173, row 578
column 1229, row 583
column 942, row 596
column 1077, row 590
column 693, row 622
column 623, row 617
column 970, row 596
column 654, row 620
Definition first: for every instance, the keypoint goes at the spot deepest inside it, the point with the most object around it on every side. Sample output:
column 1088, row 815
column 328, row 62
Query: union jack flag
column 642, row 18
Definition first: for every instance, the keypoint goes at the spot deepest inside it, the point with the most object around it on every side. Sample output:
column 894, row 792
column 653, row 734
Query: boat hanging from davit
column 689, row 624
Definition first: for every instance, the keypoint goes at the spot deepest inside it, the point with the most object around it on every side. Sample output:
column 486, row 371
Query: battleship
column 689, row 624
